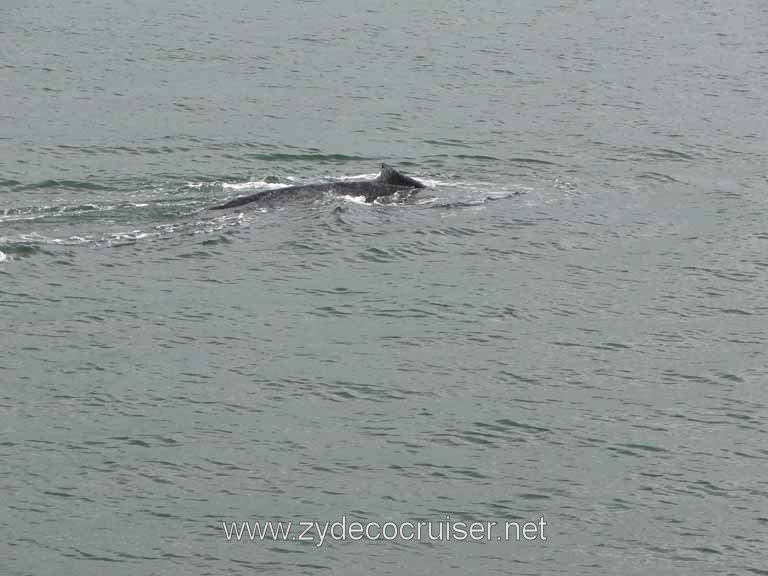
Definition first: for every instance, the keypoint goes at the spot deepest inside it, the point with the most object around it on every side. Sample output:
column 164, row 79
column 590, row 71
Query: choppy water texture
column 569, row 322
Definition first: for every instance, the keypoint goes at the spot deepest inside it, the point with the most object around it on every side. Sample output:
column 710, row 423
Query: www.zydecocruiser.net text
column 424, row 531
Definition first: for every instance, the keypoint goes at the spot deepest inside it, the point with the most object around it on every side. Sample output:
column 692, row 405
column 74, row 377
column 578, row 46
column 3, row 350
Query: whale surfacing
column 387, row 183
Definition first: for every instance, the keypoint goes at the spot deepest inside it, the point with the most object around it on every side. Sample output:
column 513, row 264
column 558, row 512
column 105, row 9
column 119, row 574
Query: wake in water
column 94, row 217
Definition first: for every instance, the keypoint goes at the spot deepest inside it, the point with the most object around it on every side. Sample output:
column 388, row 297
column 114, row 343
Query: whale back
column 392, row 177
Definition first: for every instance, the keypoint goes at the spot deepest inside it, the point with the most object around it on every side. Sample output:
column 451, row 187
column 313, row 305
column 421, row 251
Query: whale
column 389, row 182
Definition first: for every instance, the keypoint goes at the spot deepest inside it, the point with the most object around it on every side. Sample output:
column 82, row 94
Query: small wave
column 19, row 248
column 436, row 203
column 667, row 153
column 531, row 161
column 448, row 142
column 27, row 244
column 482, row 157
column 322, row 158
column 519, row 160
column 38, row 212
column 659, row 177
column 62, row 185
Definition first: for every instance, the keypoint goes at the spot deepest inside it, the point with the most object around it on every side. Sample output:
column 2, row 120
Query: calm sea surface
column 570, row 322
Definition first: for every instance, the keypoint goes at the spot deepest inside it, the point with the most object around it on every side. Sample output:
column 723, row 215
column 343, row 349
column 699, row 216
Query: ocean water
column 568, row 324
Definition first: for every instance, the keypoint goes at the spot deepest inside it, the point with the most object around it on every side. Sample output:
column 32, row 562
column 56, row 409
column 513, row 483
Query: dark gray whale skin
column 389, row 182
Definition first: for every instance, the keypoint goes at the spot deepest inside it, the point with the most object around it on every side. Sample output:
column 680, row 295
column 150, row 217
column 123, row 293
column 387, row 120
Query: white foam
column 360, row 177
column 3, row 257
column 34, row 237
column 252, row 184
column 131, row 236
column 354, row 199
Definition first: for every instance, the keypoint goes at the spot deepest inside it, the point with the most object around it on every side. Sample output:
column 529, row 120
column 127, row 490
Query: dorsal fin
column 392, row 177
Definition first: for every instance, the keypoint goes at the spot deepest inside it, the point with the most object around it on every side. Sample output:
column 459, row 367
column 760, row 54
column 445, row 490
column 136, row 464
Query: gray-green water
column 569, row 323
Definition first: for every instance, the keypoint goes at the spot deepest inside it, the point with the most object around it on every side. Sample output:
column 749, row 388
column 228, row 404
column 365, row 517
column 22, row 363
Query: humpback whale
column 388, row 182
